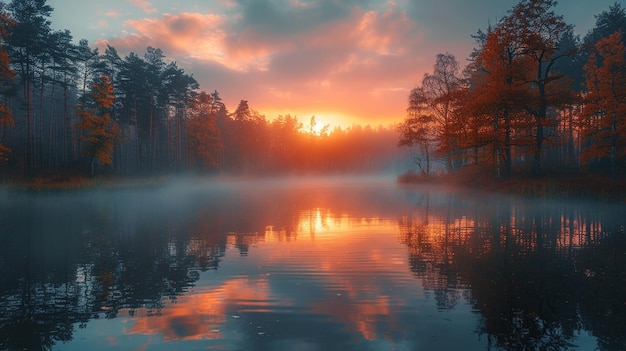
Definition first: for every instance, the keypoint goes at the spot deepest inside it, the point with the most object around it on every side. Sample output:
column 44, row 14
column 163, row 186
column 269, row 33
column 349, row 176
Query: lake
column 335, row 263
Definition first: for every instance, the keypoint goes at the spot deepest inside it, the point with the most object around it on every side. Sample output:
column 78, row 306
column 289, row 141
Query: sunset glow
column 346, row 62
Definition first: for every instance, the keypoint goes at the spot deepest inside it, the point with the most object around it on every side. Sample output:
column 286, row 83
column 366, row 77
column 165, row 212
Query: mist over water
column 332, row 263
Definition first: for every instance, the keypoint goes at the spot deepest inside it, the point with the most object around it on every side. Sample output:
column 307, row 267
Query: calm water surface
column 309, row 264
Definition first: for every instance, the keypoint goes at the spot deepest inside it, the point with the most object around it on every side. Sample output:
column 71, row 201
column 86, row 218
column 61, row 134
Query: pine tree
column 203, row 136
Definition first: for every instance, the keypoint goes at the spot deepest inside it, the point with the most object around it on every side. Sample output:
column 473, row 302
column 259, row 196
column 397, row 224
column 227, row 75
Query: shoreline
column 42, row 184
column 560, row 187
column 563, row 187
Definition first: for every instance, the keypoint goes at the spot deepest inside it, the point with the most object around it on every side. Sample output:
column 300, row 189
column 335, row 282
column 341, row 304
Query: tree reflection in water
column 63, row 263
column 539, row 272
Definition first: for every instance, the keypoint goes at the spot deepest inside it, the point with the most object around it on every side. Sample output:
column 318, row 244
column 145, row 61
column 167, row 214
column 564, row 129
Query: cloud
column 442, row 20
column 280, row 17
column 229, row 4
column 144, row 5
column 112, row 14
column 339, row 58
column 186, row 34
column 354, row 58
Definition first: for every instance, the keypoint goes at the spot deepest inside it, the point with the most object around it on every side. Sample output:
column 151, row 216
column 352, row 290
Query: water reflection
column 281, row 265
column 539, row 272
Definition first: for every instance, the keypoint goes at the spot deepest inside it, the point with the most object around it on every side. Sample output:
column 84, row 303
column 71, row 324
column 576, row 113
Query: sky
column 343, row 61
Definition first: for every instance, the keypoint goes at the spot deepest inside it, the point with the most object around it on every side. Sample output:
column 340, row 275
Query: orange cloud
column 187, row 33
column 194, row 36
column 360, row 66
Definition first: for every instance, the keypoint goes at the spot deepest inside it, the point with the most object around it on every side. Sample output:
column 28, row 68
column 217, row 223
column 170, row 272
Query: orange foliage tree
column 515, row 86
column 6, row 73
column 537, row 32
column 100, row 132
column 497, row 89
column 604, row 113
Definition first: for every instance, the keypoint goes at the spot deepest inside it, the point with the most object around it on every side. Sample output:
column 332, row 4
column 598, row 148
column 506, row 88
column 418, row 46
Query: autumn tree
column 6, row 73
column 538, row 31
column 203, row 137
column 604, row 113
column 497, row 89
column 100, row 133
column 517, row 86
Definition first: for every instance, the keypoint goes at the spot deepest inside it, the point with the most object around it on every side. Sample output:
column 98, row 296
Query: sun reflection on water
column 333, row 253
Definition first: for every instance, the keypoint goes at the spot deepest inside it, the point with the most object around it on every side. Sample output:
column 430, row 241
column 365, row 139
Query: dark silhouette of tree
column 179, row 89
column 440, row 89
column 65, row 74
column 28, row 41
column 203, row 137
column 418, row 130
column 431, row 114
column 285, row 142
column 607, row 22
column 249, row 138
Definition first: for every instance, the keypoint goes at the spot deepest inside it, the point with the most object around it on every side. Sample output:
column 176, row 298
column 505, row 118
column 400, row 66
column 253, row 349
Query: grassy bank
column 561, row 186
column 53, row 183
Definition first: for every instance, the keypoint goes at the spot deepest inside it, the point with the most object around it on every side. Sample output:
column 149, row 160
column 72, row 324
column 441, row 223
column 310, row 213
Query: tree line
column 534, row 99
column 67, row 107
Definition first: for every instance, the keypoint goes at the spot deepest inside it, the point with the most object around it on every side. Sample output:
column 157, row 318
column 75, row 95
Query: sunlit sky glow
column 344, row 61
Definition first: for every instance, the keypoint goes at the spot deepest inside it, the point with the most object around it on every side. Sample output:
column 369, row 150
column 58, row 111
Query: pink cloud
column 144, row 5
column 186, row 34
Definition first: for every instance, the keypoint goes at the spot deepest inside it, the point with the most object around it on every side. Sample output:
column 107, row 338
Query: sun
column 315, row 122
column 319, row 124
column 315, row 126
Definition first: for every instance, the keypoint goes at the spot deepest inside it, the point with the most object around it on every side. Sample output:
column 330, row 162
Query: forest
column 533, row 99
column 70, row 109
